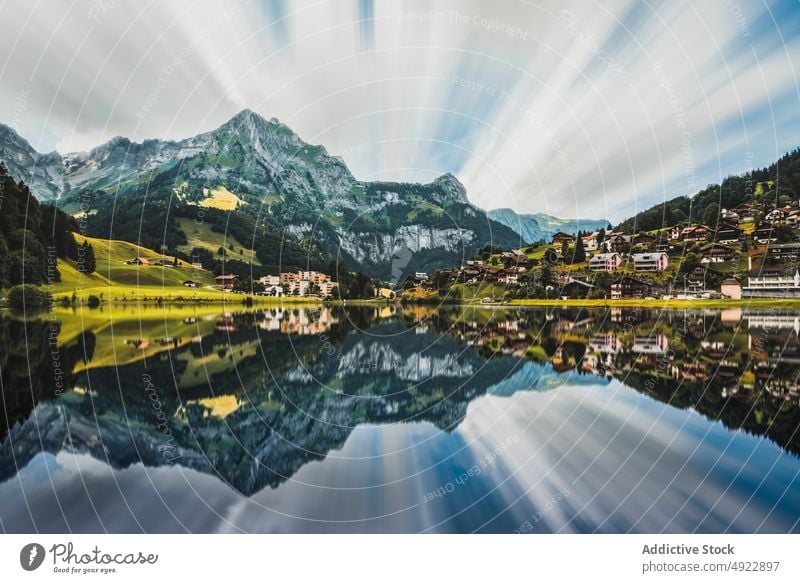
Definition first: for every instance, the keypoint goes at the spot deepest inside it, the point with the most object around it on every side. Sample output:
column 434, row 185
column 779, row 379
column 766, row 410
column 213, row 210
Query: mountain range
column 277, row 184
column 540, row 226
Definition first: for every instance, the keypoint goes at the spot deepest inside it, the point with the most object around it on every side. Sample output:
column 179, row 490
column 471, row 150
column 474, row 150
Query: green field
column 537, row 253
column 476, row 292
column 113, row 279
column 202, row 236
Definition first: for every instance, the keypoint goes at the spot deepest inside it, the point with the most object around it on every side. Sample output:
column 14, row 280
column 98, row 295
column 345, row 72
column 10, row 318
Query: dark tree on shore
column 32, row 235
column 580, row 253
column 87, row 264
column 710, row 214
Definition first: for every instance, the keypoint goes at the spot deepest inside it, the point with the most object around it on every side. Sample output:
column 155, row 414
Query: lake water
column 321, row 419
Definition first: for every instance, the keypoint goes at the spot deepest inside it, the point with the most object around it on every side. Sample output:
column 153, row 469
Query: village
column 747, row 252
column 751, row 251
column 299, row 283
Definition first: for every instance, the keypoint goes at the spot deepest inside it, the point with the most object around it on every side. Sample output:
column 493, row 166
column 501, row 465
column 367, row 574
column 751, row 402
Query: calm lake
column 389, row 419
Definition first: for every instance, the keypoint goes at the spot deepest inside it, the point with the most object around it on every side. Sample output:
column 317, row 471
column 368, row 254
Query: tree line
column 777, row 184
column 34, row 236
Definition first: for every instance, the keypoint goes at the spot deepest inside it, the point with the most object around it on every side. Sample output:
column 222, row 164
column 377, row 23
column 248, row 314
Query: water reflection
column 737, row 367
column 388, row 419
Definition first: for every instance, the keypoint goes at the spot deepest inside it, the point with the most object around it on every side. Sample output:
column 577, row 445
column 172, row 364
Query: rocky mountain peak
column 8, row 132
column 452, row 188
column 42, row 173
column 247, row 117
column 261, row 160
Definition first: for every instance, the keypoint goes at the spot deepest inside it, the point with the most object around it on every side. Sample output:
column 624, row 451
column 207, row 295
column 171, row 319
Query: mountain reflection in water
column 388, row 419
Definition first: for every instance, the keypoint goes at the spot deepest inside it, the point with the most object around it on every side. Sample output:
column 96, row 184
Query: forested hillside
column 779, row 183
column 34, row 236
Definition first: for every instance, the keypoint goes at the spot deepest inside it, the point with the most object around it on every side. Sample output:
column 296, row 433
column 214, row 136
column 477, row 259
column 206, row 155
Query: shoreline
column 215, row 298
column 637, row 303
column 234, row 301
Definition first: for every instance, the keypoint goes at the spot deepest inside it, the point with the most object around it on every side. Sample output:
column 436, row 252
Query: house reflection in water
column 749, row 355
column 651, row 344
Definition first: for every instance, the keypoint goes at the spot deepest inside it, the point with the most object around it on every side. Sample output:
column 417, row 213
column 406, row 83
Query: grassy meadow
column 113, row 280
column 202, row 236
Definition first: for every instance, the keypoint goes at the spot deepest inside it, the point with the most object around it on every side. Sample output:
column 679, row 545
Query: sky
column 580, row 110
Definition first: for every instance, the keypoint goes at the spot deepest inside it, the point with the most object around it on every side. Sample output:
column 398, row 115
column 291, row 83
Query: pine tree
column 88, row 265
column 580, row 253
column 4, row 263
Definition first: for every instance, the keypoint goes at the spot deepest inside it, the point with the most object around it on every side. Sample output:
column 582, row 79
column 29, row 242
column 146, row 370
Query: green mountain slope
column 778, row 184
column 294, row 203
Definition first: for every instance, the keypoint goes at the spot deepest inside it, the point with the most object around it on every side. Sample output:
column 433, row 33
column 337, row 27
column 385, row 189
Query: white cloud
column 532, row 107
